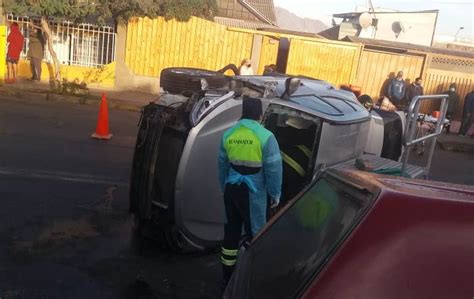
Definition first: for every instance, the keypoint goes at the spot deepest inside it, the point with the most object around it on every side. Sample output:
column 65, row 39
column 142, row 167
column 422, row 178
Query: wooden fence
column 153, row 45
column 3, row 43
column 335, row 62
column 441, row 71
column 376, row 68
column 269, row 52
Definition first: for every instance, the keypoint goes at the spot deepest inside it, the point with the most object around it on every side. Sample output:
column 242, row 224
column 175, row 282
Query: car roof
column 315, row 97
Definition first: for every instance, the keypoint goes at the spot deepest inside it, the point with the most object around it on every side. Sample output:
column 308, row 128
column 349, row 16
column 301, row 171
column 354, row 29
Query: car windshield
column 294, row 248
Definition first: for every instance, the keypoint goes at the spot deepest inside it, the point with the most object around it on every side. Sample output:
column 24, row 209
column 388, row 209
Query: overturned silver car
column 174, row 190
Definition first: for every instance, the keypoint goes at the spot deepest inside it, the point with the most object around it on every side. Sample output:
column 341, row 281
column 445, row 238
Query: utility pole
column 455, row 36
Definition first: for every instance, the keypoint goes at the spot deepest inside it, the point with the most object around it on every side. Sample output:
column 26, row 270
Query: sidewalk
column 37, row 91
column 454, row 142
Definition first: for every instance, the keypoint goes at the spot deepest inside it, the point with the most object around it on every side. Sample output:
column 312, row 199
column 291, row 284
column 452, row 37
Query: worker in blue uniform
column 250, row 171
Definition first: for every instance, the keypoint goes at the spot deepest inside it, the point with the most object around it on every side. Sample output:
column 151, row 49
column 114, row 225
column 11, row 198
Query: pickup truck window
column 295, row 247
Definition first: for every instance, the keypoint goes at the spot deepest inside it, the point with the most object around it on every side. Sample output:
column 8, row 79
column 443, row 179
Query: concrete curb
column 456, row 146
column 44, row 95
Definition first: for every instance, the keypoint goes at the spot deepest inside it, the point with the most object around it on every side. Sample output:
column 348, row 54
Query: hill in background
column 290, row 21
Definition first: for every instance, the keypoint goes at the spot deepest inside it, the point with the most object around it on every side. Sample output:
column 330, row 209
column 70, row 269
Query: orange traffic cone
column 102, row 130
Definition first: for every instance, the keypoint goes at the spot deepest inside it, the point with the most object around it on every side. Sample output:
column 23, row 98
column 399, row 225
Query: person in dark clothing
column 396, row 89
column 36, row 52
column 415, row 89
column 467, row 114
column 453, row 101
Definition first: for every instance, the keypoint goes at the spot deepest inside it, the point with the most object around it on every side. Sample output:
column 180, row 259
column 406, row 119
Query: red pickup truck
column 353, row 234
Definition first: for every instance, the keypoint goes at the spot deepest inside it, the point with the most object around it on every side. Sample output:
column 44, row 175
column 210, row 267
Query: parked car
column 352, row 234
column 174, row 187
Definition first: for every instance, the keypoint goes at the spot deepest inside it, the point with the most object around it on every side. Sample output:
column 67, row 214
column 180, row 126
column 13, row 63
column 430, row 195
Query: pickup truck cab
column 352, row 234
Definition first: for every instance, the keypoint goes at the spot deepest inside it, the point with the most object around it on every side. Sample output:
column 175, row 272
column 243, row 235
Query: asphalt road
column 65, row 231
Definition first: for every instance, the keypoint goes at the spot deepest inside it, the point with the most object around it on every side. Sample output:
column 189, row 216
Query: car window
column 294, row 248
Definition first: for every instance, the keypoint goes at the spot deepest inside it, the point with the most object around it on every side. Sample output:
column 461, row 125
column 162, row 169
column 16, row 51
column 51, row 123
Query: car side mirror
column 291, row 86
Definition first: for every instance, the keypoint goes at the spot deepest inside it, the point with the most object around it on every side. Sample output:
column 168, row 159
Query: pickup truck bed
column 379, row 163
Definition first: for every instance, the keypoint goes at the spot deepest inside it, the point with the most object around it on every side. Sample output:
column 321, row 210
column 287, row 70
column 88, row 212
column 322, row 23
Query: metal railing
column 411, row 129
column 75, row 44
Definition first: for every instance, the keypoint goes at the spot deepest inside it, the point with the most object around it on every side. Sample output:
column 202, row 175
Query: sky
column 452, row 13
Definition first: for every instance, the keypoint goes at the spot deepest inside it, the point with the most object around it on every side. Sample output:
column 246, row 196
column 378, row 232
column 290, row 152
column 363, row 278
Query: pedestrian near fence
column 453, row 102
column 15, row 45
column 467, row 114
column 396, row 89
column 415, row 89
column 36, row 52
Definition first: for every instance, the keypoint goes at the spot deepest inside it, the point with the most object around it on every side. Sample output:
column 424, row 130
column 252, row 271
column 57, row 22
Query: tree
column 103, row 10
column 182, row 10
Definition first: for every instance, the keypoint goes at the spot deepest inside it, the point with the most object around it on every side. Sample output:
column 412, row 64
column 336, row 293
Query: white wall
column 418, row 28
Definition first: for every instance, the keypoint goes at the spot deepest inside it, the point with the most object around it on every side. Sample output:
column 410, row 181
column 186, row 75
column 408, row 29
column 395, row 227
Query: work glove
column 274, row 202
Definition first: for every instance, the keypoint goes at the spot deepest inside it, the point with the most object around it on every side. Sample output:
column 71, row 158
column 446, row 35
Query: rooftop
column 242, row 24
column 406, row 46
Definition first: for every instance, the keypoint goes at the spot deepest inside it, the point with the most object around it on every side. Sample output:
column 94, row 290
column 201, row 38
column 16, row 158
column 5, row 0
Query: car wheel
column 176, row 241
column 178, row 80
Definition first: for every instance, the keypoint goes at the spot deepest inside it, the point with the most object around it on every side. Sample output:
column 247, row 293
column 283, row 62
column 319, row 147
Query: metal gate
column 75, row 44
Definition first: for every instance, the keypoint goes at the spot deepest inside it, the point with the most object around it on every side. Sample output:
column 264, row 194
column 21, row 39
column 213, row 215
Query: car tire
column 177, row 242
column 179, row 80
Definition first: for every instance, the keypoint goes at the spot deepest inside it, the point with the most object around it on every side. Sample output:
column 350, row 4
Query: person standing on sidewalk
column 250, row 171
column 453, row 101
column 15, row 45
column 415, row 89
column 396, row 89
column 36, row 52
column 467, row 114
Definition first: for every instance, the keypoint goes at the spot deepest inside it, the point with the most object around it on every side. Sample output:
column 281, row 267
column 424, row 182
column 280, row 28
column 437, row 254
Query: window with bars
column 75, row 44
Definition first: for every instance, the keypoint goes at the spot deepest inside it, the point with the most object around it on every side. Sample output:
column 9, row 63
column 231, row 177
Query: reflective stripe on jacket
column 298, row 167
